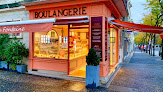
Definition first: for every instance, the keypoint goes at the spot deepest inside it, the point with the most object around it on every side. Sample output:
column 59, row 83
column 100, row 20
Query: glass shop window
column 52, row 44
column 45, row 39
column 78, row 42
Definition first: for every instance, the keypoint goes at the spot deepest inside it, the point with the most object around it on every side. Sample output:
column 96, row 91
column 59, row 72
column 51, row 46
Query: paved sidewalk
column 144, row 73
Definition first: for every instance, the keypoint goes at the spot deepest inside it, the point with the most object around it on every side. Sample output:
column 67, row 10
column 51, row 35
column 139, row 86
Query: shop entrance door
column 112, row 47
column 78, row 49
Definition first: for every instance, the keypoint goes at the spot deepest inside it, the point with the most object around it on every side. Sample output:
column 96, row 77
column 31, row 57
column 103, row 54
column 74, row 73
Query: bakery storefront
column 60, row 35
column 64, row 48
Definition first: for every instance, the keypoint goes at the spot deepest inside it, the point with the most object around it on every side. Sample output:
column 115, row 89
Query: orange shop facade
column 64, row 47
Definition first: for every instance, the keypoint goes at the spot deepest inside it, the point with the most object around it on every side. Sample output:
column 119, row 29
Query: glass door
column 78, row 49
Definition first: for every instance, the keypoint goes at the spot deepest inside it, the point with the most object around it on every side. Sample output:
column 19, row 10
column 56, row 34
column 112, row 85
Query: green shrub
column 92, row 58
column 15, row 51
column 4, row 39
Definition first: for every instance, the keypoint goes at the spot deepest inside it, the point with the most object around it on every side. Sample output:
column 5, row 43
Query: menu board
column 96, row 35
column 106, row 38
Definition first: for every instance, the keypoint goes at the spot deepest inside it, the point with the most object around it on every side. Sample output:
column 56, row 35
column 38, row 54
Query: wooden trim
column 68, row 70
column 79, row 27
column 76, row 19
column 79, row 24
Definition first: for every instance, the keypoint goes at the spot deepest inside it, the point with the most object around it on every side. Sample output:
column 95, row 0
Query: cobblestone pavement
column 13, row 82
column 144, row 73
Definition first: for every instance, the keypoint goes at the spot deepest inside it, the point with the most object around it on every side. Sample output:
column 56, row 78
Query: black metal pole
column 146, row 44
column 151, row 45
column 154, row 46
column 143, row 43
column 162, row 50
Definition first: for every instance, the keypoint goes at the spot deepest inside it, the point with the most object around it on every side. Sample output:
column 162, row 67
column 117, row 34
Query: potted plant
column 15, row 52
column 4, row 38
column 92, row 69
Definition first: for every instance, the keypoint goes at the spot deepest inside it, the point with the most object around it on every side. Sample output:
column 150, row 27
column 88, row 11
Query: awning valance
column 66, row 20
column 27, row 26
column 39, row 24
column 137, row 27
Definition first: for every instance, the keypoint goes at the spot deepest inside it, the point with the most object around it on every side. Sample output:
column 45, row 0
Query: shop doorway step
column 55, row 74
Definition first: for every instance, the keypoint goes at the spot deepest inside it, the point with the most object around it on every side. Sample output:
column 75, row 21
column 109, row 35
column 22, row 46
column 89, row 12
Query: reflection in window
column 49, row 44
column 45, row 39
column 65, row 40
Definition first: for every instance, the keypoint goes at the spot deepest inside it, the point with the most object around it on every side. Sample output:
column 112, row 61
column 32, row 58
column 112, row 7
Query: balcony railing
column 30, row 1
column 11, row 5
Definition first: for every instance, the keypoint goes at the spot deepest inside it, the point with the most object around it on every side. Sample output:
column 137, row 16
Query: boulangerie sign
column 26, row 28
column 60, row 12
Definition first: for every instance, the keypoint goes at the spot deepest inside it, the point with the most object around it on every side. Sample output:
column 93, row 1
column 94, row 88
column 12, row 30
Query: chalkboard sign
column 96, row 35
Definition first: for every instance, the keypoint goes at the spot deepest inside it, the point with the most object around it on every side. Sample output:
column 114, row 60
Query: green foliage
column 154, row 19
column 13, row 66
column 158, row 39
column 149, row 19
column 92, row 58
column 140, row 35
column 4, row 39
column 156, row 7
column 15, row 51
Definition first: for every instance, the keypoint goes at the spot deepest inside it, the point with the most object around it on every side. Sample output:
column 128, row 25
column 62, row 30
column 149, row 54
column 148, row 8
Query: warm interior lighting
column 78, row 50
column 52, row 44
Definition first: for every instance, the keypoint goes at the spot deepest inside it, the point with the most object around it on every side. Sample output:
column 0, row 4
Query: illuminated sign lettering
column 61, row 12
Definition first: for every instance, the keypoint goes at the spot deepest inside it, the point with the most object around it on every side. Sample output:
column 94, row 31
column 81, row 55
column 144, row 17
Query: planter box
column 92, row 76
column 21, row 68
column 3, row 65
column 10, row 70
column 0, row 64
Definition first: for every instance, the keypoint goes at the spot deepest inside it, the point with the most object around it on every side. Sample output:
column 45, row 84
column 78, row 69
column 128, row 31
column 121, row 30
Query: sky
column 137, row 10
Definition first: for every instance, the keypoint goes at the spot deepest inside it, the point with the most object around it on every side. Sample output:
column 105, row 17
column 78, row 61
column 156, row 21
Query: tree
column 149, row 20
column 156, row 7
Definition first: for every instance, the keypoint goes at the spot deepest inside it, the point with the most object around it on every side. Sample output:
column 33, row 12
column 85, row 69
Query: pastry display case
column 78, row 46
column 51, row 44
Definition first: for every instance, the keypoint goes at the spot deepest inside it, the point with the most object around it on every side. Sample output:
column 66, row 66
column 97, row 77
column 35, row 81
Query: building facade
column 79, row 25
column 12, row 11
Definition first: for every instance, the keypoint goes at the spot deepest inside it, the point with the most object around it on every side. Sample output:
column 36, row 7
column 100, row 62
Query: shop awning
column 39, row 24
column 66, row 20
column 137, row 27
column 27, row 26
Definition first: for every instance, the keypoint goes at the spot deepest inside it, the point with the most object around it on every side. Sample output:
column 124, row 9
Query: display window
column 52, row 44
column 78, row 49
column 78, row 42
